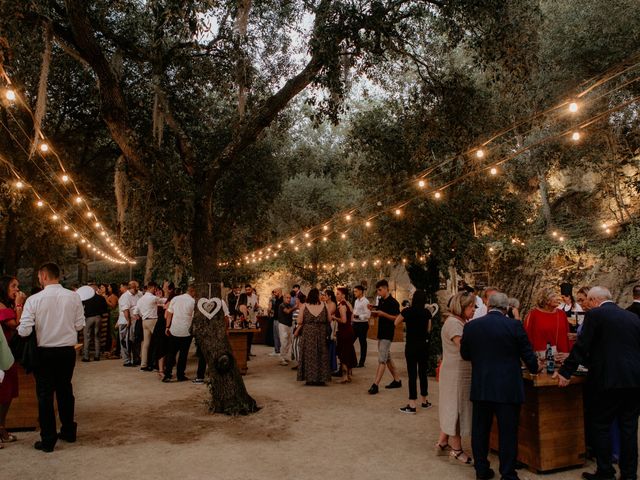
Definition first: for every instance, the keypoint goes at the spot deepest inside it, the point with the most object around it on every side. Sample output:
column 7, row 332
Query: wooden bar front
column 239, row 340
column 398, row 334
column 23, row 414
column 551, row 430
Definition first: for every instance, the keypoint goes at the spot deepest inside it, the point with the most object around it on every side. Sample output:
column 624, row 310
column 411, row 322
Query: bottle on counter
column 551, row 361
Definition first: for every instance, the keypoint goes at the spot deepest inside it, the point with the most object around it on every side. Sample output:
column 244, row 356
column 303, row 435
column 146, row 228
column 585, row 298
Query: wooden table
column 239, row 340
column 260, row 335
column 551, row 430
column 23, row 414
column 398, row 334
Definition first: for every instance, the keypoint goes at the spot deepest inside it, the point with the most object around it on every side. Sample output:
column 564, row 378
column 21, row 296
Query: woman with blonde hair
column 455, row 381
column 548, row 324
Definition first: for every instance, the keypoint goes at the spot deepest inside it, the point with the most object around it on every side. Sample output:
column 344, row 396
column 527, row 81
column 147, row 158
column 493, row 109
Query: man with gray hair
column 610, row 346
column 495, row 344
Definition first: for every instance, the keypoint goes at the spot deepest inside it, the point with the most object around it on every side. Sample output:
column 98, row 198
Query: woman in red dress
column 548, row 324
column 346, row 336
column 11, row 303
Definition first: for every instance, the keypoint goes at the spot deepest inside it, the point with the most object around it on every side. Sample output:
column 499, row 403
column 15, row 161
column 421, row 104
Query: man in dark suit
column 495, row 344
column 610, row 346
column 635, row 306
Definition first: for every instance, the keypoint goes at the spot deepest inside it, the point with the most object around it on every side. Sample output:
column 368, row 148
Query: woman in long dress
column 455, row 381
column 11, row 302
column 313, row 320
column 345, row 336
column 329, row 298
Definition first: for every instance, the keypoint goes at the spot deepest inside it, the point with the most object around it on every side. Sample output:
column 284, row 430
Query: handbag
column 6, row 357
column 25, row 351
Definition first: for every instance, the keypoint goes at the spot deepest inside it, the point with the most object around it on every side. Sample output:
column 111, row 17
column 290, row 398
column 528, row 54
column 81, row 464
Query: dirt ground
column 132, row 426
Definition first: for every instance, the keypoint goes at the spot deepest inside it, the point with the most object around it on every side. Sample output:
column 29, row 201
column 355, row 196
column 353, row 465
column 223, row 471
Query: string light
column 367, row 224
column 437, row 195
column 555, row 234
column 89, row 214
column 54, row 217
column 19, row 185
column 325, row 227
column 65, row 178
column 65, row 228
column 39, row 204
column 347, row 217
column 573, row 107
column 78, row 200
column 325, row 239
column 494, row 171
column 480, row 153
column 44, row 147
column 10, row 95
column 422, row 183
column 575, row 136
column 296, row 248
column 398, row 212
column 343, row 236
column 306, row 235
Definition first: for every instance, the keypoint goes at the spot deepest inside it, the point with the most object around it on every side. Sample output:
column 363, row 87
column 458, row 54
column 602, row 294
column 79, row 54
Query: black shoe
column 395, row 384
column 409, row 410
column 86, row 360
column 486, row 476
column 597, row 476
column 166, row 379
column 427, row 405
column 374, row 389
column 183, row 379
column 96, row 359
column 147, row 369
column 67, row 438
column 42, row 447
column 136, row 364
column 360, row 365
column 128, row 364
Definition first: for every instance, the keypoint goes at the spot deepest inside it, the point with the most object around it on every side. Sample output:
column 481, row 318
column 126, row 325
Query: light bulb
column 398, row 212
column 66, row 227
column 275, row 254
column 103, row 233
column 343, row 236
column 306, row 235
column 437, row 195
column 75, row 234
column 65, row 178
column 88, row 214
column 494, row 171
column 561, row 239
column 367, row 224
column 10, row 95
column 575, row 136
column 78, row 200
column 347, row 217
column 421, row 183
column 325, row 227
column 604, row 225
column 573, row 107
column 82, row 241
column 97, row 224
column 491, row 249
column 54, row 217
column 308, row 244
column 479, row 153
column 607, row 230
column 19, row 185
column 291, row 241
column 555, row 234
column 324, row 239
column 296, row 248
column 44, row 147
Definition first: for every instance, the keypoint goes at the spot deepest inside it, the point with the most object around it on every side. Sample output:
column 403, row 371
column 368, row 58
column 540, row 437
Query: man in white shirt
column 179, row 317
column 126, row 304
column 57, row 316
column 147, row 308
column 481, row 303
column 360, row 321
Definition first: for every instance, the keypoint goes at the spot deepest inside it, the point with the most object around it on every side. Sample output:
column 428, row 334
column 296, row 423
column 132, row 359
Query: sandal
column 442, row 450
column 457, row 454
column 6, row 437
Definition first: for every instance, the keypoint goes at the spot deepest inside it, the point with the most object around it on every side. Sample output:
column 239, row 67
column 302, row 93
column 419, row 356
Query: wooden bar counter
column 551, row 430
column 239, row 340
column 398, row 334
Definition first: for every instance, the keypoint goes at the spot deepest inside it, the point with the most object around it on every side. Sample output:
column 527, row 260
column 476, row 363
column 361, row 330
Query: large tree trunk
column 148, row 267
column 544, row 198
column 228, row 392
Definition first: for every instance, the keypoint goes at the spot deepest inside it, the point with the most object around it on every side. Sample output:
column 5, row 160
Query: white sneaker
column 284, row 363
column 274, row 354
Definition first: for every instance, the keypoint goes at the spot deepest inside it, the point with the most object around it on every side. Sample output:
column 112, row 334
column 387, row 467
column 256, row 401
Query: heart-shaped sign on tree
column 209, row 306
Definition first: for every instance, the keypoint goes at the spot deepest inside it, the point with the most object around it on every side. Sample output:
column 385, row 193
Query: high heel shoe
column 457, row 455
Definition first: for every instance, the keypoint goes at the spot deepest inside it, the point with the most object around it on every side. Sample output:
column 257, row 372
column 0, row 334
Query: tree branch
column 112, row 102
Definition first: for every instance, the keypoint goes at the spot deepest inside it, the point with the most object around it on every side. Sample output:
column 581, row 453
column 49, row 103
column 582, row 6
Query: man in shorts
column 387, row 310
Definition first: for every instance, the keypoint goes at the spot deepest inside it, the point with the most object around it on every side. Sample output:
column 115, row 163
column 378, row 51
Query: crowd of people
column 485, row 343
